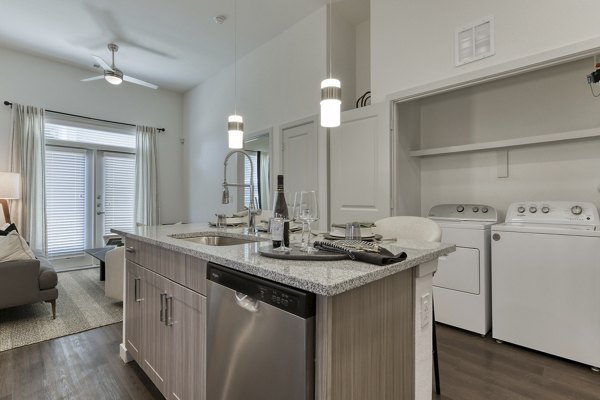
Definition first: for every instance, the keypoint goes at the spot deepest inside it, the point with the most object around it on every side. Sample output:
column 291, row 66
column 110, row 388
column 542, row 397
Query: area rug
column 81, row 305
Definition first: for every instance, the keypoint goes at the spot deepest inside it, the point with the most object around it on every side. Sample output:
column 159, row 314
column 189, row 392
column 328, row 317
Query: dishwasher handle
column 246, row 302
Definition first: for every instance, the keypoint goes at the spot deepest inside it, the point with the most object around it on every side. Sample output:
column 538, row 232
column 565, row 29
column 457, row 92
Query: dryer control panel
column 553, row 212
column 464, row 212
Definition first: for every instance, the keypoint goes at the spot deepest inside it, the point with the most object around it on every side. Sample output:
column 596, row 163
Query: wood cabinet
column 187, row 349
column 134, row 298
column 165, row 327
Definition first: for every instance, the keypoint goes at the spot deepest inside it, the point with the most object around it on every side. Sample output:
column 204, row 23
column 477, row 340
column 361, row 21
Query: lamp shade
column 235, row 129
column 10, row 185
column 331, row 102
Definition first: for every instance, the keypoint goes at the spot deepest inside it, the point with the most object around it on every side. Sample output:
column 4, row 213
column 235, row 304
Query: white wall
column 278, row 83
column 32, row 80
column 363, row 58
column 412, row 42
column 344, row 56
column 553, row 100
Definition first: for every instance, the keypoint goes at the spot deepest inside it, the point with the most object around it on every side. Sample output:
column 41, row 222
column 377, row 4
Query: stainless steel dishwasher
column 260, row 338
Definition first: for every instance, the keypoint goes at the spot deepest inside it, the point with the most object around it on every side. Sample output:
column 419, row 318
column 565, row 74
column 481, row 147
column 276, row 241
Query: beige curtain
column 27, row 157
column 146, row 177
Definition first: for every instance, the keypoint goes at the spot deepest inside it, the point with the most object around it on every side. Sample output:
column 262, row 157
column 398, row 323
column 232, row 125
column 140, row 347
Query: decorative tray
column 296, row 254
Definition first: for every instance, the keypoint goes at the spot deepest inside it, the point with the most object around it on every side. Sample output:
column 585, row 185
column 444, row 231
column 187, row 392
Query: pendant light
column 235, row 122
column 331, row 89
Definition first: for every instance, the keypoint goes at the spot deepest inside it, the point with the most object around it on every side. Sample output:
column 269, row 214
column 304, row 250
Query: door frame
column 322, row 157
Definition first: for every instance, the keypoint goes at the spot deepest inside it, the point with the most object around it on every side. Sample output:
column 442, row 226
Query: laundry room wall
column 554, row 100
column 412, row 42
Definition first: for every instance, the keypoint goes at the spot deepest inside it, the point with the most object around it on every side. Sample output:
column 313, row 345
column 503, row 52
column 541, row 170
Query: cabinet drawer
column 186, row 270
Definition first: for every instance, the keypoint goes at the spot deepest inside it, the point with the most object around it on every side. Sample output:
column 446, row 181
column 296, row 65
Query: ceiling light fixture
column 331, row 89
column 235, row 122
column 114, row 77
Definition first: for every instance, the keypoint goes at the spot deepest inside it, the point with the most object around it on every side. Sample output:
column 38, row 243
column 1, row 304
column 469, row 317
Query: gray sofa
column 27, row 282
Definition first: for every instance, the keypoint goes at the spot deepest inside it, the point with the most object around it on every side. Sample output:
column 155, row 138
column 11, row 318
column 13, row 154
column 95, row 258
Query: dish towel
column 382, row 257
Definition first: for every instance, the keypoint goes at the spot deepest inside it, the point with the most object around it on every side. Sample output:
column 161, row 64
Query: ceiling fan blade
column 139, row 82
column 102, row 63
column 93, row 78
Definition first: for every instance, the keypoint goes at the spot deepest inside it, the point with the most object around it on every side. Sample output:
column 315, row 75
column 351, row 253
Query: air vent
column 475, row 41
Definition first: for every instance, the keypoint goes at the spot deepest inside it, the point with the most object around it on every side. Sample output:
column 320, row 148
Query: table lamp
column 10, row 188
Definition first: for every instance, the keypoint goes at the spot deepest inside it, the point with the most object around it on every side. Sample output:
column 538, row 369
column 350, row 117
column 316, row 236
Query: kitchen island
column 372, row 323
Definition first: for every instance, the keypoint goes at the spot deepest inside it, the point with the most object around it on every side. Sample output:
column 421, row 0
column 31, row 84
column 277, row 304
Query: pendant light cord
column 330, row 37
column 235, row 56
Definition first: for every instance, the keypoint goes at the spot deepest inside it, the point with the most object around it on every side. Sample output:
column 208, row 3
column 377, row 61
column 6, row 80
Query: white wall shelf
column 508, row 143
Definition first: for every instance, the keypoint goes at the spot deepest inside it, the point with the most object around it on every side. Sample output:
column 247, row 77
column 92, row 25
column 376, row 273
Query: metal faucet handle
column 255, row 211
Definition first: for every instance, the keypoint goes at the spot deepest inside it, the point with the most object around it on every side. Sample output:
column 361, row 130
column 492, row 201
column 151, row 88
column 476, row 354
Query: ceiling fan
column 114, row 75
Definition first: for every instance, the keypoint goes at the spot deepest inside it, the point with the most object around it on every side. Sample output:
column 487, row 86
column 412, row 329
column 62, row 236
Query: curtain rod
column 8, row 103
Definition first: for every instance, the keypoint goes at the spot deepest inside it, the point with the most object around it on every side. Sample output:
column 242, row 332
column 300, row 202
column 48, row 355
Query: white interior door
column 299, row 153
column 360, row 166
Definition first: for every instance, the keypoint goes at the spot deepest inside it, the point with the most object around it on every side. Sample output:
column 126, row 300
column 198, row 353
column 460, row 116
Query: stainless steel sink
column 216, row 240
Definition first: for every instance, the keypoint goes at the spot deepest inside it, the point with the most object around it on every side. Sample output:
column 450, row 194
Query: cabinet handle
column 130, row 249
column 136, row 289
column 169, row 310
column 163, row 297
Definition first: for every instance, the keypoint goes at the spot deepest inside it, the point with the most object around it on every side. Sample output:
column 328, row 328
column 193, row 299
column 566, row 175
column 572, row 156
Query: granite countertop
column 326, row 278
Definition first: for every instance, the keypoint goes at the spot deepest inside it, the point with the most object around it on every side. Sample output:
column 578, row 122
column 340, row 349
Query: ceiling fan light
column 235, row 131
column 331, row 102
column 113, row 77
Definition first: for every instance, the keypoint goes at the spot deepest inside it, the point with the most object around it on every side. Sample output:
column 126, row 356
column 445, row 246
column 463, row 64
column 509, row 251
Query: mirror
column 258, row 146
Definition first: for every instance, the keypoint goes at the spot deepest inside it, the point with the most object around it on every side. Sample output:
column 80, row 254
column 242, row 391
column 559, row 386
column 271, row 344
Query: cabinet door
column 134, row 298
column 186, row 320
column 359, row 158
column 155, row 333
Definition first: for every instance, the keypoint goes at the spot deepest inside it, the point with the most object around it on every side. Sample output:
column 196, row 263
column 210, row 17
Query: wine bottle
column 281, row 210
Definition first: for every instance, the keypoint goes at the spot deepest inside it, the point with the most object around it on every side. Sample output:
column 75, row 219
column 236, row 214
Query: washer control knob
column 533, row 209
column 484, row 210
column 577, row 210
column 545, row 209
column 521, row 210
column 460, row 208
column 475, row 209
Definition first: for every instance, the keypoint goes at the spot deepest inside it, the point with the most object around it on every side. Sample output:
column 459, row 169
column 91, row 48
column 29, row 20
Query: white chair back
column 407, row 227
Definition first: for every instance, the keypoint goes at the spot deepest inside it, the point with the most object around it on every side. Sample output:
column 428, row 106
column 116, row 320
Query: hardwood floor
column 84, row 366
column 476, row 368
column 87, row 366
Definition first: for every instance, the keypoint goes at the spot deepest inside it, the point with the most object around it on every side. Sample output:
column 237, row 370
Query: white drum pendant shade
column 331, row 102
column 235, row 130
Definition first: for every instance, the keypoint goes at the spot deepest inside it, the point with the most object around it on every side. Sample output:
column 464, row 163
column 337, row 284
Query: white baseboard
column 124, row 354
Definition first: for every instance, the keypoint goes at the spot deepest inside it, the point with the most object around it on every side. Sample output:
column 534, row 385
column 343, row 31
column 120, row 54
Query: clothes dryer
column 461, row 285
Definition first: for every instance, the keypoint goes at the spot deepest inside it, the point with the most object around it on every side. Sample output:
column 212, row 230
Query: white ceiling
column 175, row 44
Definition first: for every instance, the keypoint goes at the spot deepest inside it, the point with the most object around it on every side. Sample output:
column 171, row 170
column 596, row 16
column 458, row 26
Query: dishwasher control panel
column 287, row 298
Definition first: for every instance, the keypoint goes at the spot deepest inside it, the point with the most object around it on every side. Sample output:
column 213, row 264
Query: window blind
column 66, row 172
column 81, row 135
column 254, row 156
column 119, row 191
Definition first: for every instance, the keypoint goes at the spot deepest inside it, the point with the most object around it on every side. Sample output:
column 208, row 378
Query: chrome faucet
column 253, row 210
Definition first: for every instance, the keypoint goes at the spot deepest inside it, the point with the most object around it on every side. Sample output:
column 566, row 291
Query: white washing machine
column 461, row 285
column 546, row 279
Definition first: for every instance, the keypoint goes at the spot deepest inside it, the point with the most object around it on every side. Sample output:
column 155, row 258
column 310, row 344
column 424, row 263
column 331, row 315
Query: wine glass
column 296, row 217
column 308, row 213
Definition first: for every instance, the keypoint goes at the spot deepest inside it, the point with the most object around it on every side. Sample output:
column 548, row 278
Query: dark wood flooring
column 476, row 368
column 87, row 366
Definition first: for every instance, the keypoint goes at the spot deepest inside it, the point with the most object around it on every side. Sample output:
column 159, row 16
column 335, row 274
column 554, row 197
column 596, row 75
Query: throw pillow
column 7, row 228
column 14, row 247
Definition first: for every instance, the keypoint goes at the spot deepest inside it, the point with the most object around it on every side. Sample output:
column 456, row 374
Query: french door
column 88, row 192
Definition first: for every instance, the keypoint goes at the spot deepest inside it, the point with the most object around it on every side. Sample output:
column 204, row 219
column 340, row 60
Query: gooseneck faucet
column 253, row 210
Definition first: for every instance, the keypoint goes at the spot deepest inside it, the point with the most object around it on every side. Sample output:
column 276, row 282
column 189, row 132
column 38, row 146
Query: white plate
column 343, row 235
